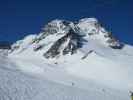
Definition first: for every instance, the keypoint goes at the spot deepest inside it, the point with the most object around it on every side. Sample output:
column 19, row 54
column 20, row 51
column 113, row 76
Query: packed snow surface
column 18, row 82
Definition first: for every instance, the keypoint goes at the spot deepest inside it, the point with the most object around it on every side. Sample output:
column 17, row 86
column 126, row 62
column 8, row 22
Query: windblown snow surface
column 95, row 72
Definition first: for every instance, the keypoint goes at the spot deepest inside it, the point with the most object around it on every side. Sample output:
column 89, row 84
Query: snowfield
column 67, row 61
column 19, row 85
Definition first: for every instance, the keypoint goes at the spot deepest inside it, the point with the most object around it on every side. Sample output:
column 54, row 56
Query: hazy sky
column 22, row 17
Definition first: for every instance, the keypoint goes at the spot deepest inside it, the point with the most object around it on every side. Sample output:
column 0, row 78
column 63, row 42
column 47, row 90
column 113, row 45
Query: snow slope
column 82, row 58
column 18, row 85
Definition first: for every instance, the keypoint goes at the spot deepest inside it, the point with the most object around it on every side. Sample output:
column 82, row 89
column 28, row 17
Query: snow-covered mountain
column 81, row 55
column 83, row 48
column 63, row 37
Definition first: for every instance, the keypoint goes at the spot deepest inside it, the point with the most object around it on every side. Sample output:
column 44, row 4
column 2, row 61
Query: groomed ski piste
column 94, row 72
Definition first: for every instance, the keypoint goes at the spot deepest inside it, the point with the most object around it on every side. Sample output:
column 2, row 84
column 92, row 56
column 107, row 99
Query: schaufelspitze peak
column 61, row 37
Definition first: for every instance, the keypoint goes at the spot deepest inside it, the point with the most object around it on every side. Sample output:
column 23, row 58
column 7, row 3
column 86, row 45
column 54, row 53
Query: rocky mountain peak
column 60, row 37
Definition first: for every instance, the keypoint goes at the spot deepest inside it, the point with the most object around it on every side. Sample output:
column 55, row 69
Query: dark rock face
column 5, row 45
column 75, row 42
column 54, row 26
column 114, row 43
column 74, row 39
column 120, row 46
